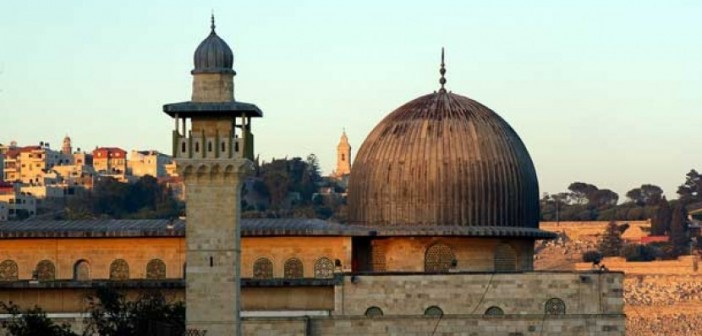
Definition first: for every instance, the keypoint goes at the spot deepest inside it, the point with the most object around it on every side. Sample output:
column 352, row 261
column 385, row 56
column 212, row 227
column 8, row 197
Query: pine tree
column 678, row 230
column 660, row 224
column 611, row 243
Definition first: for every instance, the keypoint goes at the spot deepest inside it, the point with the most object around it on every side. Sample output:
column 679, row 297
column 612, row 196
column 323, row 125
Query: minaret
column 213, row 155
column 343, row 157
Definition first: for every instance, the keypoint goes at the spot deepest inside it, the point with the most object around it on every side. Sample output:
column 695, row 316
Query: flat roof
column 250, row 227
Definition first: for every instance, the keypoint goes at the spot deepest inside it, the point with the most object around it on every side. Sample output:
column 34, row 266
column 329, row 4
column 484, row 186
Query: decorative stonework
column 263, row 269
column 494, row 311
column 374, row 312
column 46, row 271
column 156, row 269
column 433, row 311
column 324, row 268
column 555, row 306
column 293, row 269
column 8, row 270
column 119, row 270
column 81, row 271
column 438, row 258
column 213, row 171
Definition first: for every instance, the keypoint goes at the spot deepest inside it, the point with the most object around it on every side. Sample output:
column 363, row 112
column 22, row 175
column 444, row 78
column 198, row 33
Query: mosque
column 443, row 216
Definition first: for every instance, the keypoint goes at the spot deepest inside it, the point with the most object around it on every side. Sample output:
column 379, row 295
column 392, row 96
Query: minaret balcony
column 198, row 146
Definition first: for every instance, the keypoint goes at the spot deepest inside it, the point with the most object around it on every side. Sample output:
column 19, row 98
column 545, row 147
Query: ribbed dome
column 213, row 55
column 443, row 159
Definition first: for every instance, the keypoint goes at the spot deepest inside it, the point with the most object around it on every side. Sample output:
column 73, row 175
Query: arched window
column 494, row 311
column 46, row 270
column 505, row 258
column 81, row 271
column 324, row 268
column 8, row 270
column 197, row 147
column 209, row 146
column 438, row 258
column 293, row 269
column 263, row 269
column 119, row 270
column 343, row 157
column 156, row 269
column 555, row 306
column 374, row 312
column 223, row 147
column 433, row 311
column 182, row 147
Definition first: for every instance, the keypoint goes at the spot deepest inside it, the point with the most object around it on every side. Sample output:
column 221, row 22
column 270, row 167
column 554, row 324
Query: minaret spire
column 212, row 24
column 442, row 71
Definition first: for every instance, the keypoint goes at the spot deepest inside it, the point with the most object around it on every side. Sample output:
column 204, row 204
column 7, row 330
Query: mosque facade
column 443, row 216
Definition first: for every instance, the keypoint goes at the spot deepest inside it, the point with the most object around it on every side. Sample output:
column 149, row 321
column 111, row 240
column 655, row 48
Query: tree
column 602, row 199
column 111, row 314
column 691, row 190
column 32, row 322
column 580, row 192
column 611, row 243
column 660, row 223
column 647, row 194
column 678, row 229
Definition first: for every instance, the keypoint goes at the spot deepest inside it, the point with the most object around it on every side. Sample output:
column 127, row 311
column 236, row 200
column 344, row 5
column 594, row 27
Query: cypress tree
column 611, row 243
column 678, row 230
column 660, row 224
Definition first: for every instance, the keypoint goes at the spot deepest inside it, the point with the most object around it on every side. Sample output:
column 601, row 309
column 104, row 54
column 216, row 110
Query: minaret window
column 209, row 146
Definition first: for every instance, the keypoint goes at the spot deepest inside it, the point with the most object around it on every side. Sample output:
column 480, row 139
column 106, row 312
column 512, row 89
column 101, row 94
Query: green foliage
column 638, row 252
column 145, row 199
column 32, row 322
column 660, row 223
column 611, row 243
column 592, row 256
column 691, row 190
column 678, row 230
column 647, row 194
column 111, row 314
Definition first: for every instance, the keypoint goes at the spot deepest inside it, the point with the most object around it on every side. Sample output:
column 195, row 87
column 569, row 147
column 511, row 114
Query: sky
column 603, row 92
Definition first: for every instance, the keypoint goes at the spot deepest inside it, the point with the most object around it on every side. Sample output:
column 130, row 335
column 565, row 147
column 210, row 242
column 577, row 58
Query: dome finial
column 442, row 71
column 212, row 25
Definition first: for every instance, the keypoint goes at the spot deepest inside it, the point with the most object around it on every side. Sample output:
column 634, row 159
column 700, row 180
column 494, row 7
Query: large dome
column 443, row 160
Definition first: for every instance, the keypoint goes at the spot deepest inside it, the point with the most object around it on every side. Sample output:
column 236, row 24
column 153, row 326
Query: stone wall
column 681, row 266
column 466, row 293
column 469, row 325
column 407, row 254
column 64, row 253
column 574, row 230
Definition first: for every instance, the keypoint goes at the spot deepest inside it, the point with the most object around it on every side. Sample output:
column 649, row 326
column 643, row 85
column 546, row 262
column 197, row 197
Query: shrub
column 638, row 252
column 592, row 256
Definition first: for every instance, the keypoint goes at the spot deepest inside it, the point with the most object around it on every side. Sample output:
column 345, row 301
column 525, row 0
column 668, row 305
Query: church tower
column 213, row 149
column 67, row 149
column 343, row 157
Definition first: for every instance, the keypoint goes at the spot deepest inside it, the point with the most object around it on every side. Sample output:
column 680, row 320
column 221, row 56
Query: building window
column 293, row 269
column 223, row 147
column 182, row 147
column 555, row 306
column 263, row 269
column 505, row 258
column 209, row 146
column 374, row 312
column 8, row 270
column 433, row 311
column 494, row 311
column 197, row 147
column 324, row 268
column 81, row 271
column 156, row 269
column 438, row 258
column 46, row 271
column 343, row 157
column 119, row 270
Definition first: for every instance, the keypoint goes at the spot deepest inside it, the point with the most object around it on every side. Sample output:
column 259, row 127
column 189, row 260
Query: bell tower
column 213, row 149
column 343, row 157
